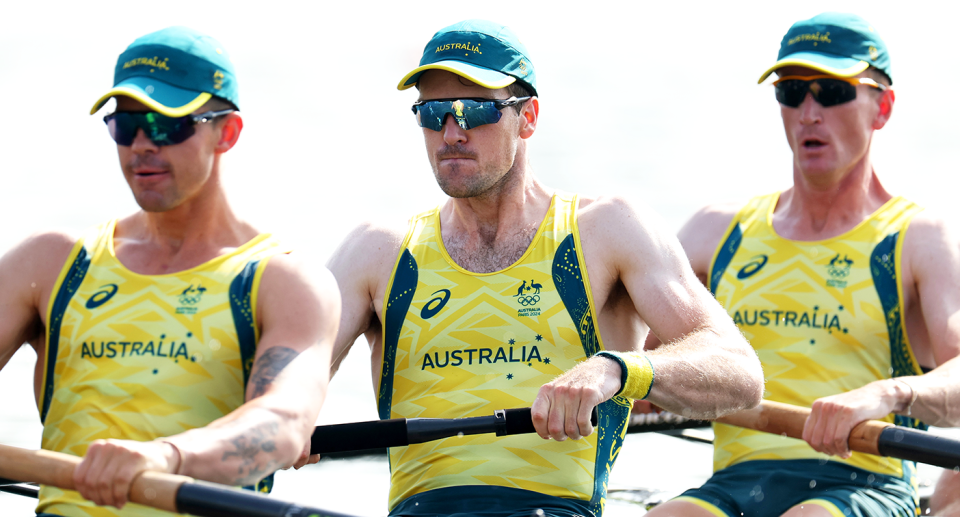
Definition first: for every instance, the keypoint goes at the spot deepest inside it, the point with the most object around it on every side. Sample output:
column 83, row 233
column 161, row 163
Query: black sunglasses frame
column 840, row 90
column 173, row 122
column 499, row 104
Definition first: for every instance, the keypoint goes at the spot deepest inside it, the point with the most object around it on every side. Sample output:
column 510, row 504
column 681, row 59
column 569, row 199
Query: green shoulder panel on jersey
column 67, row 284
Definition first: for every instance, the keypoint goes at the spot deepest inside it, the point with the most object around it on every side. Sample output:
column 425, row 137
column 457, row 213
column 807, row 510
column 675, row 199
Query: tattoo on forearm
column 246, row 447
column 268, row 367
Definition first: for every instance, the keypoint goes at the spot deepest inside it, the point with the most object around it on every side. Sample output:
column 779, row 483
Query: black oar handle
column 397, row 432
column 209, row 500
column 920, row 446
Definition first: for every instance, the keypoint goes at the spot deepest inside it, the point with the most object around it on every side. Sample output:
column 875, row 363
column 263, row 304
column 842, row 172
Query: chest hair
column 480, row 255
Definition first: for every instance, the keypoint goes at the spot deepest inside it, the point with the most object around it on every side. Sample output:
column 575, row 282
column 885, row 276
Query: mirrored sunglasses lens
column 160, row 129
column 163, row 130
column 834, row 91
column 430, row 115
column 480, row 113
column 468, row 114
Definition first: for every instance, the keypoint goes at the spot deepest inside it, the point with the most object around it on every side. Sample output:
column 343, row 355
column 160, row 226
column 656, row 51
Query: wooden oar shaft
column 788, row 420
column 152, row 489
column 177, row 494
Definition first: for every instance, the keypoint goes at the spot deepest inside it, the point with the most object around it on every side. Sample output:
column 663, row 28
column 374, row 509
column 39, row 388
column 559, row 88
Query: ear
column 230, row 128
column 886, row 109
column 528, row 117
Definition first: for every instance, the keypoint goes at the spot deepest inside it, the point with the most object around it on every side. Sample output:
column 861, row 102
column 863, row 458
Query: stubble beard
column 151, row 200
column 461, row 183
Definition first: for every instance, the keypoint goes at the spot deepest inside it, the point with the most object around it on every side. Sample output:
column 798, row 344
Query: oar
column 871, row 437
column 397, row 432
column 17, row 488
column 178, row 494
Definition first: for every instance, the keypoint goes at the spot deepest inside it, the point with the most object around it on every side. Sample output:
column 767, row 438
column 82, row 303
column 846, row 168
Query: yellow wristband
column 636, row 373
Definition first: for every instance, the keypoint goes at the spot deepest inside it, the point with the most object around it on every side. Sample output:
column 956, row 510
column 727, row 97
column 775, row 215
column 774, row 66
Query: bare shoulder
column 602, row 211
column 930, row 241
column 40, row 253
column 929, row 224
column 369, row 244
column 293, row 273
column 28, row 274
column 701, row 234
column 298, row 297
column 622, row 232
column 365, row 258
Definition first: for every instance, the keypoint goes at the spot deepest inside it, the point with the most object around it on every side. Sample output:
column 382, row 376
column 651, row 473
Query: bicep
column 362, row 262
column 935, row 266
column 299, row 312
column 27, row 272
column 667, row 293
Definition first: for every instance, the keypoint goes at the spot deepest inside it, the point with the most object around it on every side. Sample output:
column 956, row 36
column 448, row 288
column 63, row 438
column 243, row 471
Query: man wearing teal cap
column 483, row 303
column 847, row 293
column 179, row 338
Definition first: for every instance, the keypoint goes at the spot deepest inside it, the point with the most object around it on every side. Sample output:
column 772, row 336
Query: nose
column 143, row 144
column 452, row 132
column 810, row 110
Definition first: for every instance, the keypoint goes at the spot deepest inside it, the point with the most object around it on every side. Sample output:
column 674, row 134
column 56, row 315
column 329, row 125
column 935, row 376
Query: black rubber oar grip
column 920, row 446
column 520, row 421
column 380, row 434
column 214, row 501
column 377, row 434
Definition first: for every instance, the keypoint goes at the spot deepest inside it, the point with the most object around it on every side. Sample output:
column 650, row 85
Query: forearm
column 937, row 396
column 706, row 375
column 270, row 430
column 245, row 446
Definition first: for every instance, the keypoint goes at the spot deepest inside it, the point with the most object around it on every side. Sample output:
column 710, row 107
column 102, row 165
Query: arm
column 945, row 500
column 363, row 261
column 699, row 238
column 28, row 273
column 298, row 314
column 931, row 258
column 705, row 369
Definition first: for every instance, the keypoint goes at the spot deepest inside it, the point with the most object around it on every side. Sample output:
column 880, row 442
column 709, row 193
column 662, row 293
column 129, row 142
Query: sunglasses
column 160, row 129
column 468, row 113
column 828, row 90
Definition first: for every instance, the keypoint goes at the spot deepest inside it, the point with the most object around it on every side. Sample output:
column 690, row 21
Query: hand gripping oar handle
column 871, row 437
column 169, row 492
column 397, row 432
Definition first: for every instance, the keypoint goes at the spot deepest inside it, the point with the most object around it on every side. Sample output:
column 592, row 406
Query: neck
column 822, row 206
column 490, row 232
column 194, row 232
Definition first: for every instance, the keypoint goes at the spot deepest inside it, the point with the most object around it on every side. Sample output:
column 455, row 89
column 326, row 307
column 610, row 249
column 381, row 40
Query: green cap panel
column 165, row 67
column 836, row 43
column 479, row 44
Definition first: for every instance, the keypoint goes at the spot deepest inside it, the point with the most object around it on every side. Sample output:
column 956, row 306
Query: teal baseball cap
column 487, row 53
column 173, row 71
column 833, row 43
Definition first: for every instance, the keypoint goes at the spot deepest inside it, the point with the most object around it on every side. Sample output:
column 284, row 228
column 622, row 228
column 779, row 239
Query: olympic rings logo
column 528, row 300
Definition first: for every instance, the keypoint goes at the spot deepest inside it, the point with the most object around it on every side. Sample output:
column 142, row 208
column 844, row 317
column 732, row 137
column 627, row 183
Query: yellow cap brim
column 483, row 76
column 820, row 67
column 138, row 95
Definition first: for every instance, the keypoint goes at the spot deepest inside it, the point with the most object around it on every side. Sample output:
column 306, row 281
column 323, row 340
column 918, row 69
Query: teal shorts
column 765, row 488
column 488, row 501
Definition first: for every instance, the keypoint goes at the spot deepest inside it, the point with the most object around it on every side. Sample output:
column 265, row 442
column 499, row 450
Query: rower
column 478, row 303
column 180, row 338
column 845, row 291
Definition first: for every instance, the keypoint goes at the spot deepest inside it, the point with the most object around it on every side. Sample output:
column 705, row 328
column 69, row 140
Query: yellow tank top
column 825, row 317
column 139, row 357
column 462, row 344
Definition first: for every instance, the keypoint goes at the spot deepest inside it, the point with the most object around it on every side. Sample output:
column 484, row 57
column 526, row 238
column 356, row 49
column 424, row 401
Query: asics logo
column 431, row 309
column 101, row 297
column 753, row 267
